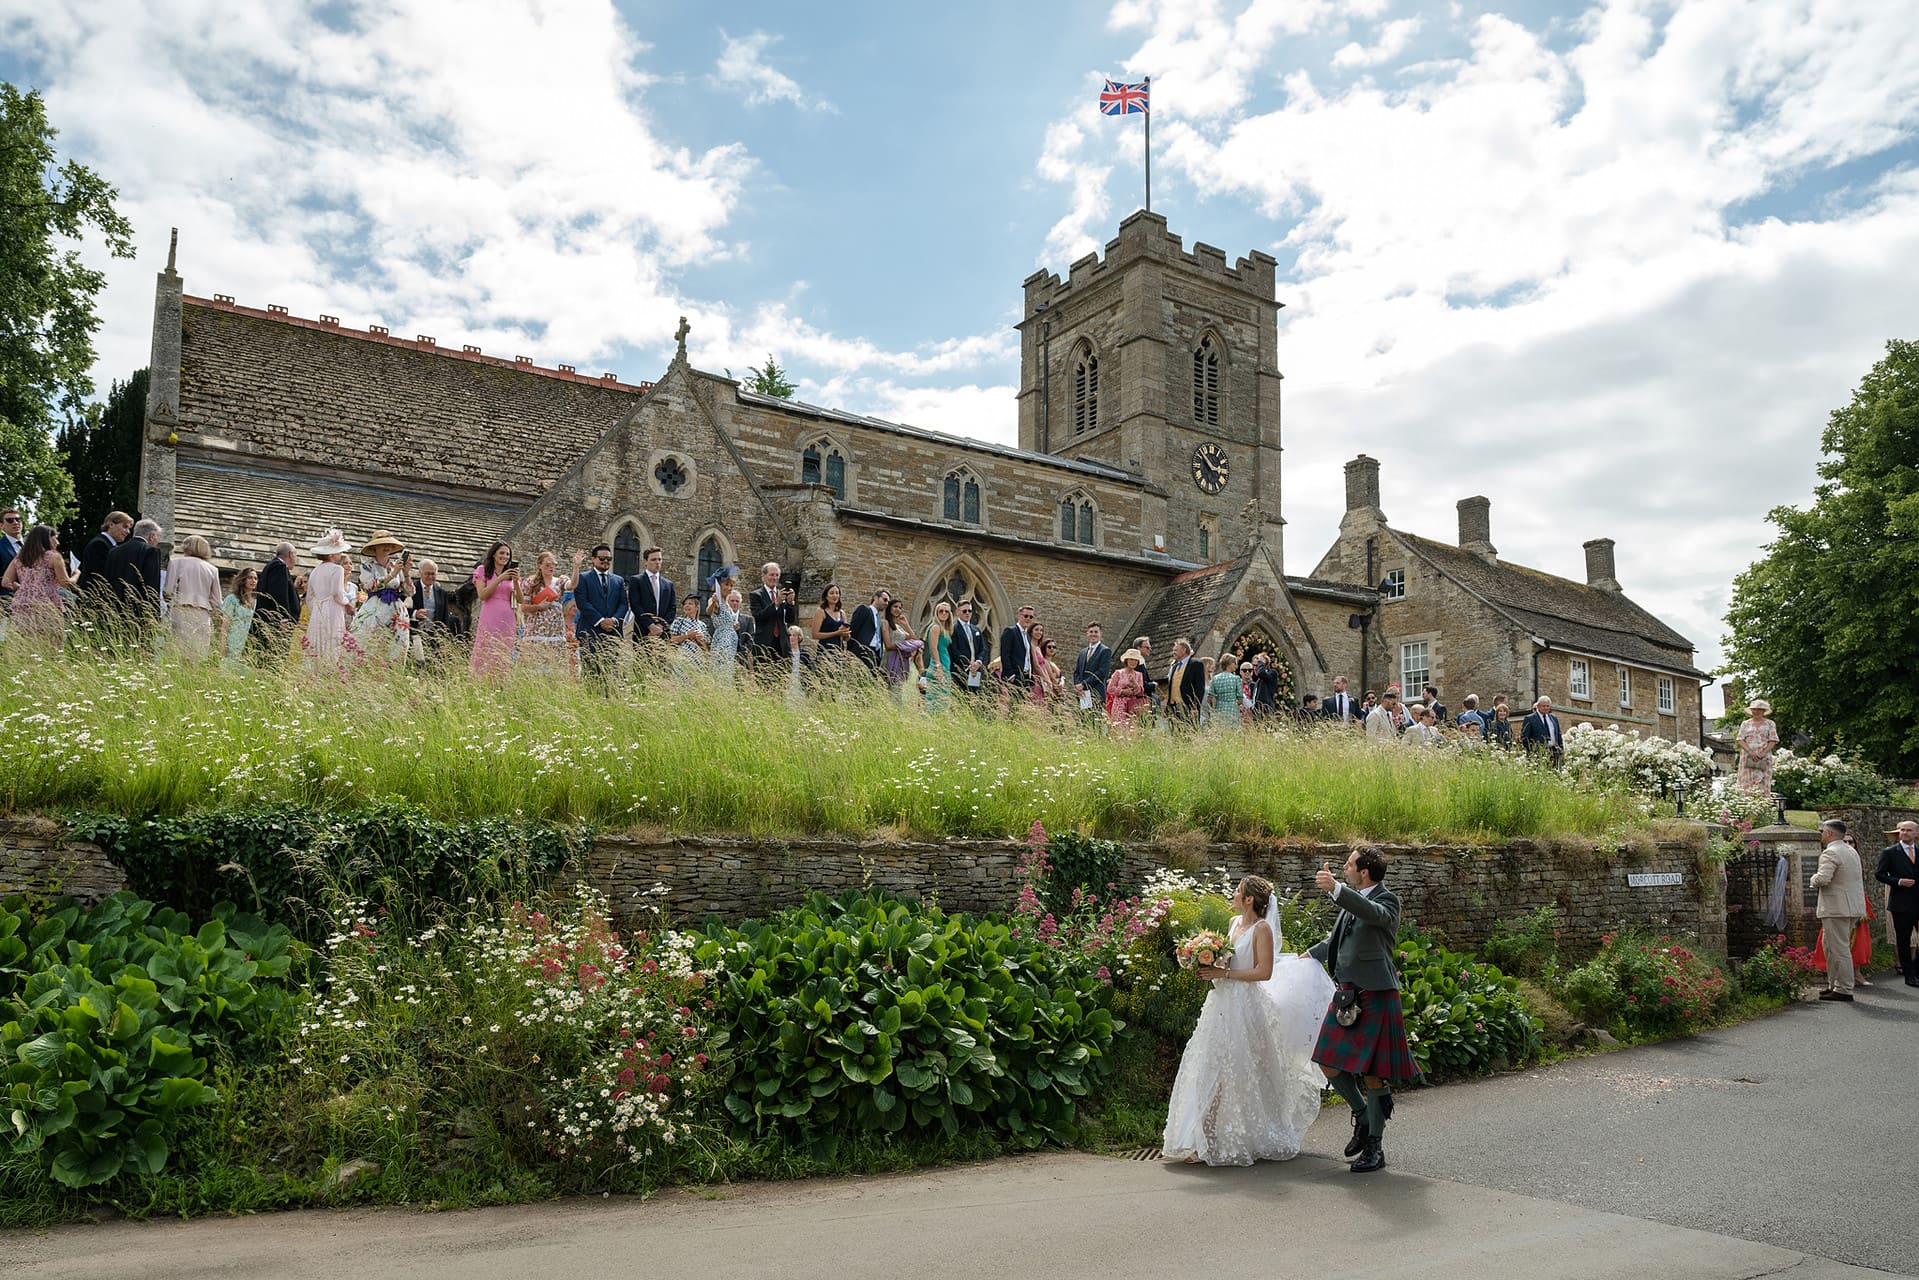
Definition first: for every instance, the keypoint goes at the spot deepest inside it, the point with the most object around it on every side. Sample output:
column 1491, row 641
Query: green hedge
column 281, row 859
column 870, row 1013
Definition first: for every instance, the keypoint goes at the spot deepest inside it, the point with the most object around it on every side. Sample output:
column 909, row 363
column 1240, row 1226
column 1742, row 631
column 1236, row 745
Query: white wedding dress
column 1247, row 1087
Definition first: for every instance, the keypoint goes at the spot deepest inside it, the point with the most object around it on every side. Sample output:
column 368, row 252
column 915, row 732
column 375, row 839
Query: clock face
column 1210, row 468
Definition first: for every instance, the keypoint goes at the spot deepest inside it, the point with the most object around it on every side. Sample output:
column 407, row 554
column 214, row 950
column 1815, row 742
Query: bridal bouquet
column 1204, row 948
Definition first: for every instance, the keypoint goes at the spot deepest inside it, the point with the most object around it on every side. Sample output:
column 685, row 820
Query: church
column 1144, row 494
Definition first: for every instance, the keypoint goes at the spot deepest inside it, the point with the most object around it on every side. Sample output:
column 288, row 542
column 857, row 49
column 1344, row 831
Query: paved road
column 1650, row 1162
column 1786, row 1130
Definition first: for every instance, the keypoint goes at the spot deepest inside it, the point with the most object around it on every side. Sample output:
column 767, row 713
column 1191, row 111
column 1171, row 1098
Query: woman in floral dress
column 726, row 634
column 1227, row 690
column 1757, row 738
column 329, row 604
column 1126, row 698
column 494, row 583
column 382, row 625
column 543, row 642
column 687, row 635
column 36, row 577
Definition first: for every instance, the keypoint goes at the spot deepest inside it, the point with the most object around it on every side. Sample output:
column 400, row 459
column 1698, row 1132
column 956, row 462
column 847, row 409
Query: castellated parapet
column 1144, row 235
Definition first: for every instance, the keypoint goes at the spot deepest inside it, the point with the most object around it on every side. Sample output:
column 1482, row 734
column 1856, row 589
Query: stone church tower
column 1163, row 363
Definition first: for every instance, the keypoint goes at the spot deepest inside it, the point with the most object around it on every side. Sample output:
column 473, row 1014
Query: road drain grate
column 1144, row 1153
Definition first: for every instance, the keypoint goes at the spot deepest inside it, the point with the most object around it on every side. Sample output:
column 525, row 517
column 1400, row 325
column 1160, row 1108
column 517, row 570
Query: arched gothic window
column 1206, row 382
column 1076, row 518
column 1085, row 388
column 822, row 463
column 712, row 559
column 626, row 550
column 960, row 497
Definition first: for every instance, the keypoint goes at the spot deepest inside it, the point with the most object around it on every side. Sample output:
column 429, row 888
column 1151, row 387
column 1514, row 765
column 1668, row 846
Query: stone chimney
column 1362, row 484
column 1599, row 565
column 1476, row 528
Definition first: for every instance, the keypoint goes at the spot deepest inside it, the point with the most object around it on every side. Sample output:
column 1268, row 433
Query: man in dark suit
column 1541, row 730
column 1434, row 705
column 1185, row 685
column 1093, row 668
column 134, row 570
column 277, row 608
column 1898, row 870
column 968, row 653
column 652, row 597
column 1016, row 649
column 1265, row 686
column 1359, row 956
column 1340, row 705
column 12, row 529
column 432, row 607
column 93, row 586
column 869, row 627
column 600, row 600
column 773, row 612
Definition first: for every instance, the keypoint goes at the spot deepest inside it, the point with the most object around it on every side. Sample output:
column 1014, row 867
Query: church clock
column 1210, row 467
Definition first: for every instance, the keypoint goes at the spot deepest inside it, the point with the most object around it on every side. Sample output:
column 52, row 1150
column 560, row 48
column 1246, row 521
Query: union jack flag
column 1122, row 99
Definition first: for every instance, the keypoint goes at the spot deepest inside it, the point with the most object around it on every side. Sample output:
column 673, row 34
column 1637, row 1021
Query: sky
column 1609, row 264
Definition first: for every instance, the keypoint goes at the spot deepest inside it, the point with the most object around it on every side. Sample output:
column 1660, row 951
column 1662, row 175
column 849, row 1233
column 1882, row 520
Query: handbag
column 1346, row 1004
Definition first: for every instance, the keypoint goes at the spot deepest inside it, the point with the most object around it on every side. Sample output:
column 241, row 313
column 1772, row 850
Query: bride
column 1247, row 1088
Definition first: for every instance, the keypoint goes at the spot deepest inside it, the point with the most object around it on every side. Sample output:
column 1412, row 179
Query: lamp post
column 1679, row 795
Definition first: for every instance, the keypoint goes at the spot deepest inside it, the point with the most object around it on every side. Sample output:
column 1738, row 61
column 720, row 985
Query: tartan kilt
column 1375, row 1045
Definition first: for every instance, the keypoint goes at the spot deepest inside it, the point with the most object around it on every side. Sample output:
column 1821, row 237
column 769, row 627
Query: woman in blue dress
column 938, row 679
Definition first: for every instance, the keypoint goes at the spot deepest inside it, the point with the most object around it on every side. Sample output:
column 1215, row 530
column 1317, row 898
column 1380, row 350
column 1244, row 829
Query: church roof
column 1188, row 605
column 1566, row 614
column 246, row 511
column 309, row 391
column 1083, row 466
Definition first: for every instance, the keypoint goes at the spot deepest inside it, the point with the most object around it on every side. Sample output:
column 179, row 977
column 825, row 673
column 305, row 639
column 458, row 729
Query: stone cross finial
column 173, row 247
column 680, row 336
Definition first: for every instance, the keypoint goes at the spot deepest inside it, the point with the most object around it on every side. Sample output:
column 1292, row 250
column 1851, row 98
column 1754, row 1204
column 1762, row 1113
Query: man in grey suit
column 1841, row 882
column 1362, row 1049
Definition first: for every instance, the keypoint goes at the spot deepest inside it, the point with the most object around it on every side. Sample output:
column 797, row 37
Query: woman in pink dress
column 35, row 577
column 193, row 585
column 1126, row 693
column 494, row 583
column 329, row 605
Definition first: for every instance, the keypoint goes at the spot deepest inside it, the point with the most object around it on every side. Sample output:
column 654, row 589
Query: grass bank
column 684, row 756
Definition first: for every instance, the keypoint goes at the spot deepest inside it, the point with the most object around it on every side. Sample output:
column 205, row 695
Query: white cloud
column 981, row 412
column 743, row 66
column 1393, row 38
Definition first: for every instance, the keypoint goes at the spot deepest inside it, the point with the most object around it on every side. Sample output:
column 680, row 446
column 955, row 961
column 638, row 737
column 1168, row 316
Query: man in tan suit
column 1841, row 882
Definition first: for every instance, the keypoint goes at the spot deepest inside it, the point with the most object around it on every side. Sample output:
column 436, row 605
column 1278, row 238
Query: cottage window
column 1415, row 667
column 1625, row 687
column 822, row 463
column 626, row 551
column 1579, row 680
column 1394, row 586
column 1665, row 695
column 960, row 497
column 1206, row 382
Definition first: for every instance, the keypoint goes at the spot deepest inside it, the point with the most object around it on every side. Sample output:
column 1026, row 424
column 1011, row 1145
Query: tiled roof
column 307, row 391
column 1570, row 615
column 1188, row 605
column 245, row 511
column 1084, row 466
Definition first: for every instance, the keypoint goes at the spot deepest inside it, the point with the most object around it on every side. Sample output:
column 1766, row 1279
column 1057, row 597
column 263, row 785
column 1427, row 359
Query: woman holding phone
column 494, row 583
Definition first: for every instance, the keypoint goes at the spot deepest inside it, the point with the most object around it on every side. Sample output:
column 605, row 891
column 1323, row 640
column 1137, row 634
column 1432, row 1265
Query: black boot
column 1358, row 1142
column 1373, row 1160
column 1386, row 1106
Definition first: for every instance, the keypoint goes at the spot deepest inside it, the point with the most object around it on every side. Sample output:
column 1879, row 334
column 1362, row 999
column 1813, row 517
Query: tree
column 47, row 293
column 769, row 379
column 102, row 454
column 1826, row 626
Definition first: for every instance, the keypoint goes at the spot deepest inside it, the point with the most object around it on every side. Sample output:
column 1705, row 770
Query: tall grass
column 686, row 756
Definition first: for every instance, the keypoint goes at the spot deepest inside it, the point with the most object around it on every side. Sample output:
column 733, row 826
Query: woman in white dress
column 382, row 624
column 193, row 585
column 1247, row 1088
column 329, row 606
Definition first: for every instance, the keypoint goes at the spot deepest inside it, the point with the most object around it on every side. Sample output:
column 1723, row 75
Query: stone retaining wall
column 1872, row 824
column 1464, row 891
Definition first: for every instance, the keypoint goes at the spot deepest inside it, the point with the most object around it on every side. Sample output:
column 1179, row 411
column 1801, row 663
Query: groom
column 1362, row 1060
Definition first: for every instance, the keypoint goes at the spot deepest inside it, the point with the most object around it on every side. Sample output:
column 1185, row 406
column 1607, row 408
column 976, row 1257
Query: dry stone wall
column 1463, row 891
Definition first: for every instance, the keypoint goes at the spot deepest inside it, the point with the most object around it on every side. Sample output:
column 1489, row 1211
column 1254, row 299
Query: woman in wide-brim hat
column 1126, row 698
column 383, row 626
column 1758, row 738
column 329, row 603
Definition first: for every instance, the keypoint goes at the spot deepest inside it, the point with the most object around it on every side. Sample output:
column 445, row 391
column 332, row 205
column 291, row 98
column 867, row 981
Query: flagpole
column 1149, row 144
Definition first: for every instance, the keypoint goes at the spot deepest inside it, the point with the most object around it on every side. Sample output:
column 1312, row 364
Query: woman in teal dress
column 239, row 608
column 939, row 658
column 1226, row 693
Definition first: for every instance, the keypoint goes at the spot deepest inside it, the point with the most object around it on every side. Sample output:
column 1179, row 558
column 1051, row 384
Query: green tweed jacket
column 1360, row 948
